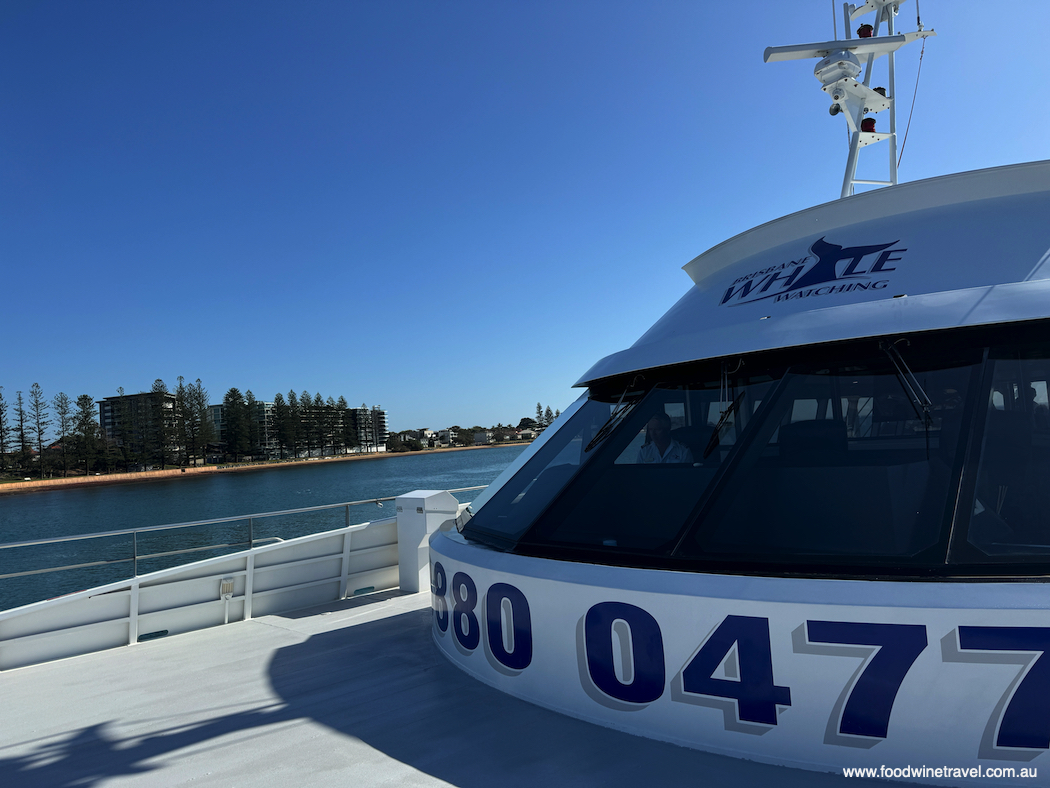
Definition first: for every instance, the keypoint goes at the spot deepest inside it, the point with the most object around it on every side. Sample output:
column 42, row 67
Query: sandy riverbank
column 38, row 485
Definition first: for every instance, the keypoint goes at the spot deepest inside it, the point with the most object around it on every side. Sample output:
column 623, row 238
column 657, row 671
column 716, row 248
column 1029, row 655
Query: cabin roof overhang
column 960, row 250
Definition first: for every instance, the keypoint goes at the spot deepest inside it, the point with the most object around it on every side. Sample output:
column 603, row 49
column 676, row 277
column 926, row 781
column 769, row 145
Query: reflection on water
column 109, row 508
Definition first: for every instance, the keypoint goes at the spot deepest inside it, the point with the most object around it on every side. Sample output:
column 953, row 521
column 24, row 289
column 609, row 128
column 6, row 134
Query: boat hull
column 821, row 674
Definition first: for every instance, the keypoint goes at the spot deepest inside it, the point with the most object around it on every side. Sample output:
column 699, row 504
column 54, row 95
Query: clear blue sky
column 449, row 209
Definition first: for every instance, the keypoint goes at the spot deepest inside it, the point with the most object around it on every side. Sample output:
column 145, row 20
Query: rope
column 912, row 110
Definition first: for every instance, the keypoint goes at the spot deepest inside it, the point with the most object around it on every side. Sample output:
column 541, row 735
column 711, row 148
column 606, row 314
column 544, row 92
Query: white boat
column 804, row 519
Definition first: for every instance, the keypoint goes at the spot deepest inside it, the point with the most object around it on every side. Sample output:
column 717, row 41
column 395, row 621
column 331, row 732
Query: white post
column 893, row 106
column 133, row 614
column 851, row 165
column 419, row 514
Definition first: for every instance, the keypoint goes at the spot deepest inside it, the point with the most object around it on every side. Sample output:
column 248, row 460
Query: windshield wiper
column 920, row 402
column 617, row 415
column 716, row 436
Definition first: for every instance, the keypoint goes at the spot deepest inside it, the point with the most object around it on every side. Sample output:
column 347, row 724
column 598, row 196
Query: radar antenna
column 839, row 67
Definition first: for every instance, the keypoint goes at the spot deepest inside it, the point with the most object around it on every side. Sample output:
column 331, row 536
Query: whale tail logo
column 828, row 257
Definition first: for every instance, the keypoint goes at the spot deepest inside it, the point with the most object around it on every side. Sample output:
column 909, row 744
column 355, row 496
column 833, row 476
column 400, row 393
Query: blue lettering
column 883, row 259
column 786, row 279
column 641, row 648
column 519, row 656
column 756, row 696
column 464, row 620
column 746, row 288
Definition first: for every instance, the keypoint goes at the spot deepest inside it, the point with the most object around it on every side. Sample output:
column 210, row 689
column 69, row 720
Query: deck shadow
column 386, row 684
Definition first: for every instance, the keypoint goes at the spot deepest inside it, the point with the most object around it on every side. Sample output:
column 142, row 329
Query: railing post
column 251, row 532
column 135, row 554
column 249, row 583
column 419, row 514
column 133, row 614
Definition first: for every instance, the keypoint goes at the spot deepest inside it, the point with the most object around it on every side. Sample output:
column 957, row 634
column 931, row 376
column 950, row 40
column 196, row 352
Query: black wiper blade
column 716, row 436
column 618, row 414
column 918, row 398
column 619, row 411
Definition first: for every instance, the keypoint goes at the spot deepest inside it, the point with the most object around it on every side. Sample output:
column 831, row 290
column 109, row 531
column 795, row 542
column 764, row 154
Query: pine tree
column 158, row 424
column 199, row 401
column 347, row 436
column 179, row 436
column 252, row 424
column 349, row 426
column 125, row 428
column 5, row 431
column 86, row 429
column 539, row 415
column 64, row 421
column 330, row 422
column 38, row 408
column 308, row 418
column 548, row 417
column 235, row 417
column 295, row 422
column 280, row 419
column 200, row 431
column 22, row 433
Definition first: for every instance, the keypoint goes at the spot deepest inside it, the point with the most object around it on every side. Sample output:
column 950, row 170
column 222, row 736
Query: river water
column 91, row 509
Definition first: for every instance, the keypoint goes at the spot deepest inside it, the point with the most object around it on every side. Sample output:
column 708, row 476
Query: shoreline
column 39, row 485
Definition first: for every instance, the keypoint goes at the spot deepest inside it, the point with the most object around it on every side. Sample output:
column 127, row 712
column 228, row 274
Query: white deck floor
column 350, row 694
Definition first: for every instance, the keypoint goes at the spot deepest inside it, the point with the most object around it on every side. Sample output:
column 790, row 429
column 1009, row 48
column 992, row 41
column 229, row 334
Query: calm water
column 109, row 508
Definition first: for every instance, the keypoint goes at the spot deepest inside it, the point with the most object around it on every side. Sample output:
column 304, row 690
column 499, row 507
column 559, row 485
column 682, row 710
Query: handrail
column 195, row 523
column 135, row 556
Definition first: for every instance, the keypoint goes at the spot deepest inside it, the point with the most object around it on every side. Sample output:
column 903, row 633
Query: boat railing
column 136, row 553
column 67, row 612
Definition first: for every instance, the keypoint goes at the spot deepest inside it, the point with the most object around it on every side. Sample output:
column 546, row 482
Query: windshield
column 619, row 464
column 914, row 456
column 846, row 463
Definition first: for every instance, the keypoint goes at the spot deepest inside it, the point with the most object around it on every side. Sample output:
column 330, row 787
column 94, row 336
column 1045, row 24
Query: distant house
column 528, row 434
column 447, row 437
column 483, row 437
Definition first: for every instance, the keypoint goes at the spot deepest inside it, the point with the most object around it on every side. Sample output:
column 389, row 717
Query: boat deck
column 353, row 693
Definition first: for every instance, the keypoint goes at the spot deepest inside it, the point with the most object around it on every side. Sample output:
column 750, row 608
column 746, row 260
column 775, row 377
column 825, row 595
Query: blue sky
column 449, row 209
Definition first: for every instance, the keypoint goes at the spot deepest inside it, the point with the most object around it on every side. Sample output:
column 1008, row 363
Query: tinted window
column 506, row 515
column 647, row 478
column 847, row 463
column 1010, row 509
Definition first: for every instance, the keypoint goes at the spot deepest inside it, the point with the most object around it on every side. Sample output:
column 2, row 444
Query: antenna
column 839, row 67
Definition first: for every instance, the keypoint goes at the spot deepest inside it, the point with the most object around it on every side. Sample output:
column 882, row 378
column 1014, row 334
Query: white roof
column 958, row 250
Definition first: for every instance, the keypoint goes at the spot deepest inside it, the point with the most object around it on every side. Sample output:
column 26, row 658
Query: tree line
column 163, row 428
column 544, row 418
column 167, row 428
column 40, row 437
column 298, row 424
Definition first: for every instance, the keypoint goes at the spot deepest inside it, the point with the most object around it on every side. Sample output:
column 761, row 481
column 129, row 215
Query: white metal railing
column 261, row 580
column 134, row 533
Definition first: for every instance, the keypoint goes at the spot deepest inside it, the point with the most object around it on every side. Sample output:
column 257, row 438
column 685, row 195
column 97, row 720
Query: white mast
column 838, row 69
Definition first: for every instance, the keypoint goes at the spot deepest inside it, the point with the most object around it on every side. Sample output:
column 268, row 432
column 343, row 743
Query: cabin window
column 516, row 505
column 1009, row 513
column 921, row 457
column 646, row 480
column 846, row 464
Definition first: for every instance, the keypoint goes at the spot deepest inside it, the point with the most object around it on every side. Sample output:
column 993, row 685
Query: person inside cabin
column 659, row 446
column 1040, row 413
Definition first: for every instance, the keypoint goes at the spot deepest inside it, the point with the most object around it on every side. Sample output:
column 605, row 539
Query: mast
column 838, row 70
